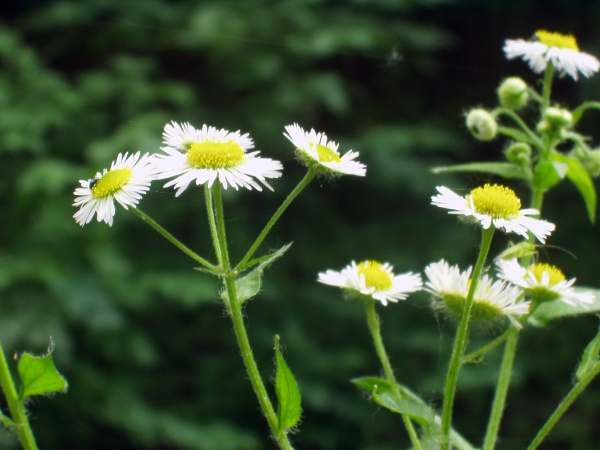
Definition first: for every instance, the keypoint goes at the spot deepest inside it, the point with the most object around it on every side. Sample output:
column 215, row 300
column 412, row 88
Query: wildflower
column 126, row 181
column 560, row 50
column 373, row 279
column 494, row 205
column 543, row 282
column 490, row 300
column 208, row 154
column 316, row 151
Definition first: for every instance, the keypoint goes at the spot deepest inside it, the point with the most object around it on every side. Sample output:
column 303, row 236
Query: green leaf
column 590, row 357
column 419, row 412
column 288, row 394
column 265, row 260
column 517, row 135
column 556, row 309
column 582, row 181
column 548, row 173
column 39, row 375
column 503, row 169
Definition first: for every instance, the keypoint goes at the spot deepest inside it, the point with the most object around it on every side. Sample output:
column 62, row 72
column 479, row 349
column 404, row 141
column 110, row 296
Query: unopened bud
column 482, row 124
column 513, row 93
column 519, row 153
column 558, row 117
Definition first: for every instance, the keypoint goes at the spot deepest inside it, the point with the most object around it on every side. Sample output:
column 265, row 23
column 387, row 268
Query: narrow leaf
column 556, row 309
column 582, row 181
column 288, row 394
column 39, row 376
column 419, row 412
column 548, row 173
column 590, row 357
column 265, row 260
column 503, row 169
column 517, row 135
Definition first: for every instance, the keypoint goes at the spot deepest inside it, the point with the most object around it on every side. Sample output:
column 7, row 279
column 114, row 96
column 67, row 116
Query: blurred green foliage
column 141, row 337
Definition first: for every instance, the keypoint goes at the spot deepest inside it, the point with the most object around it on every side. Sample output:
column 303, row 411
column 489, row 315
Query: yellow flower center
column 496, row 201
column 556, row 276
column 326, row 154
column 110, row 183
column 375, row 275
column 557, row 40
column 215, row 155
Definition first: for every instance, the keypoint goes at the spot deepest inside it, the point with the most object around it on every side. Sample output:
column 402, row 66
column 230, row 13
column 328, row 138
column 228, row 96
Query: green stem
column 17, row 409
column 173, row 240
column 460, row 341
column 547, row 86
column 375, row 329
column 474, row 356
column 510, row 349
column 235, row 309
column 303, row 183
column 210, row 212
column 578, row 112
column 534, row 138
column 563, row 406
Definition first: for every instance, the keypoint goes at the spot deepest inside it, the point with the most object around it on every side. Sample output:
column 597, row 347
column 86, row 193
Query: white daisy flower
column 494, row 205
column 315, row 150
column 374, row 279
column 561, row 50
column 491, row 299
column 209, row 154
column 126, row 181
column 543, row 282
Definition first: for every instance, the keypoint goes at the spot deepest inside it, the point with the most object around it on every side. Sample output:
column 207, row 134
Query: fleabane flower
column 208, row 154
column 543, row 282
column 128, row 178
column 494, row 205
column 491, row 299
column 316, row 151
column 374, row 279
column 559, row 49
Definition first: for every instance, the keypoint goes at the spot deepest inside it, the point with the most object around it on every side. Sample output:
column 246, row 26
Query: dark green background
column 142, row 338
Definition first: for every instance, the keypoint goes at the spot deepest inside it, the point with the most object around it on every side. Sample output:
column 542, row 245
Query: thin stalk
column 491, row 434
column 547, row 86
column 375, row 329
column 460, row 341
column 535, row 140
column 173, row 240
column 472, row 357
column 238, row 322
column 563, row 406
column 16, row 407
column 210, row 212
column 303, row 183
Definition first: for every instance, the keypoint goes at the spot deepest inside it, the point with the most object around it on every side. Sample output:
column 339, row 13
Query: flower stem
column 210, row 212
column 235, row 309
column 473, row 357
column 547, row 86
column 17, row 409
column 461, row 339
column 303, row 183
column 564, row 405
column 375, row 329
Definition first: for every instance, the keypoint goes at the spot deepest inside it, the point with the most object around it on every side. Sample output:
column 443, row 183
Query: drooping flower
column 543, row 282
column 559, row 49
column 207, row 154
column 491, row 298
column 316, row 151
column 373, row 279
column 128, row 178
column 494, row 205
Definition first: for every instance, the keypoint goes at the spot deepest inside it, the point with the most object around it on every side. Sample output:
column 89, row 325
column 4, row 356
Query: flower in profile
column 373, row 279
column 316, row 151
column 128, row 178
column 208, row 154
column 560, row 50
column 494, row 205
column 543, row 282
column 491, row 299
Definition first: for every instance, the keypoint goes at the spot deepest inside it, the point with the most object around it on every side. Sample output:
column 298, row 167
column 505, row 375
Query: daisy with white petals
column 494, row 205
column 560, row 50
column 373, row 279
column 128, row 178
column 316, row 151
column 208, row 154
column 543, row 282
column 491, row 299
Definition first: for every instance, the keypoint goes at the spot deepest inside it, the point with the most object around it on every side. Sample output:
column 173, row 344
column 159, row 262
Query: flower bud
column 519, row 153
column 482, row 124
column 558, row 117
column 513, row 93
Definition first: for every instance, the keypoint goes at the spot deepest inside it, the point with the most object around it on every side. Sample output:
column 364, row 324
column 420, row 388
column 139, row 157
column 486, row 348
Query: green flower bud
column 482, row 124
column 519, row 153
column 513, row 93
column 558, row 117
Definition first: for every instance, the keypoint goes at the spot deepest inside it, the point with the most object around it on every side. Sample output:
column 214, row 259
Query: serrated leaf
column 288, row 394
column 39, row 376
column 590, row 358
column 265, row 260
column 548, row 173
column 503, row 169
column 556, row 309
column 582, row 181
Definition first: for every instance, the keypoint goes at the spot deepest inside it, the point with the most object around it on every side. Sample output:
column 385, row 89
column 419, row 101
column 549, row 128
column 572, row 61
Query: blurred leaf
column 517, row 135
column 582, row 181
column 548, row 173
column 288, row 394
column 590, row 358
column 504, row 169
column 557, row 309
